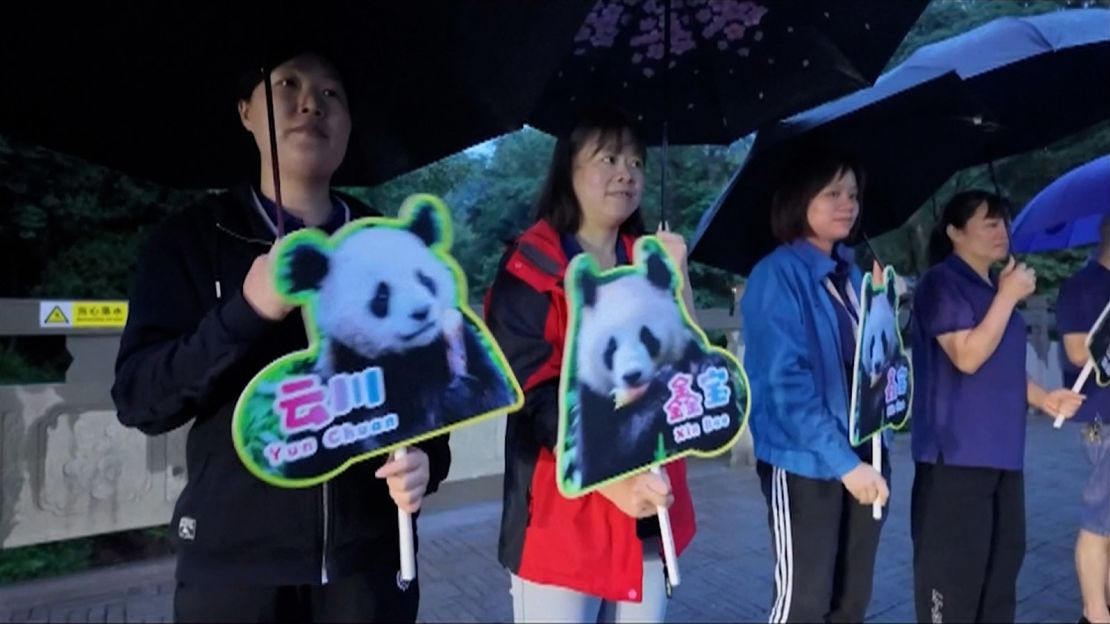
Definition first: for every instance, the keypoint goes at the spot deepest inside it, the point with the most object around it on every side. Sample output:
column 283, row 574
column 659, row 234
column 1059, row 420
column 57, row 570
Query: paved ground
column 726, row 572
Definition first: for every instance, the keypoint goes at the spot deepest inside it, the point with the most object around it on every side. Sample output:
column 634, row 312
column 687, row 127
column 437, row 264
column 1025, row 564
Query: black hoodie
column 191, row 345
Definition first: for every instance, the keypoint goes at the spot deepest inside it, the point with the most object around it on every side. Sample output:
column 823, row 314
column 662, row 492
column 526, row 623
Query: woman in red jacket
column 596, row 557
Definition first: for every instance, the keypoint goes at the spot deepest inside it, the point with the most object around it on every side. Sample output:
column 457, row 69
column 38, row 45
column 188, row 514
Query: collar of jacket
column 538, row 257
column 241, row 218
column 819, row 264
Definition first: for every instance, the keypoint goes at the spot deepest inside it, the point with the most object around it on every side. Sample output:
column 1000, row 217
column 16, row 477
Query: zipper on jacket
column 245, row 239
column 324, row 551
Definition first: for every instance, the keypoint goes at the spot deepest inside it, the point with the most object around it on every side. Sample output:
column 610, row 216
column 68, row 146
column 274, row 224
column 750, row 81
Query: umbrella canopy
column 1066, row 213
column 1042, row 77
column 149, row 88
column 901, row 170
column 731, row 65
column 932, row 126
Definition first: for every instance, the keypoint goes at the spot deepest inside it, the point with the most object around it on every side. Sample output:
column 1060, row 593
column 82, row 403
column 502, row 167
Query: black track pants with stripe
column 824, row 544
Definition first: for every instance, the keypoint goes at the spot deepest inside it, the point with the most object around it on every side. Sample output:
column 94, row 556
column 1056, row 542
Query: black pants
column 825, row 544
column 370, row 597
column 968, row 528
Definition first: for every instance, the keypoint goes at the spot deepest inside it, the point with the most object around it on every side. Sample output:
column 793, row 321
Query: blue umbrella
column 1044, row 77
column 1022, row 82
column 1067, row 212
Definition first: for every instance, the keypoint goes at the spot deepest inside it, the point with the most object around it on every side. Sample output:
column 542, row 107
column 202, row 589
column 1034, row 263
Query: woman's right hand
column 260, row 292
column 1017, row 281
column 638, row 496
column 866, row 484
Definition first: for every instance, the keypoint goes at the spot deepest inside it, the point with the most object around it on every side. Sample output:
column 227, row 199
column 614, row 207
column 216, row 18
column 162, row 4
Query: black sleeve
column 517, row 315
column 173, row 350
column 542, row 403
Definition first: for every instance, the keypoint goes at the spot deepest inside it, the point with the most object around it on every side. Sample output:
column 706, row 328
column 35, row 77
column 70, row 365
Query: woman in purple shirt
column 968, row 500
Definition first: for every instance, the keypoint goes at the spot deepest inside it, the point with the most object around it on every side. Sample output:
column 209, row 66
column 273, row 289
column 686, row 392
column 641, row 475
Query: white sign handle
column 404, row 530
column 877, row 464
column 1076, row 387
column 670, row 558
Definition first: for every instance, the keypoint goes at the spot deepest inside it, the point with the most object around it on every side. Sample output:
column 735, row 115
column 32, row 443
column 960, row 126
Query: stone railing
column 69, row 469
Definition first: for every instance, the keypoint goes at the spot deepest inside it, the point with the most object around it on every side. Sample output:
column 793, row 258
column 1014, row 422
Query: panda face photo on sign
column 381, row 292
column 880, row 343
column 629, row 343
column 395, row 354
column 630, row 329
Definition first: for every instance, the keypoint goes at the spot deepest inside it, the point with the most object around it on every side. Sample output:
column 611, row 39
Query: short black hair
column 252, row 71
column 557, row 203
column 957, row 212
column 808, row 169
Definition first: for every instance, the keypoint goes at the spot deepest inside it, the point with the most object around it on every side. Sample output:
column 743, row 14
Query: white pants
column 534, row 602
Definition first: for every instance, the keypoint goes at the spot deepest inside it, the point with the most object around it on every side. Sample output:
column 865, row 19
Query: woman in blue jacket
column 800, row 314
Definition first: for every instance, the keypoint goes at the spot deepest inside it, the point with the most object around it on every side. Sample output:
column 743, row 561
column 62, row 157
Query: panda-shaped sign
column 882, row 387
column 1098, row 348
column 395, row 354
column 641, row 384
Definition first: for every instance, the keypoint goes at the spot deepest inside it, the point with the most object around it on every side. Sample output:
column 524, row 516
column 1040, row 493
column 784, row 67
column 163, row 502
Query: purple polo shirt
column 1081, row 300
column 968, row 420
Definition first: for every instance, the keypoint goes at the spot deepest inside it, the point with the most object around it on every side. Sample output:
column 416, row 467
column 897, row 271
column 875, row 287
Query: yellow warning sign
column 99, row 313
column 56, row 317
column 83, row 314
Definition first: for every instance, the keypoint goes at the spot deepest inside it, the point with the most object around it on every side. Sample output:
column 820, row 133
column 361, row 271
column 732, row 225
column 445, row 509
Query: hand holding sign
column 674, row 244
column 1063, row 402
column 1098, row 351
column 640, row 496
column 260, row 292
column 866, row 485
column 406, row 475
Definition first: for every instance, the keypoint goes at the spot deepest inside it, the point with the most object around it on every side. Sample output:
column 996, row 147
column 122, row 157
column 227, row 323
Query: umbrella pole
column 994, row 180
column 666, row 113
column 670, row 556
column 280, row 223
column 871, row 248
column 663, row 225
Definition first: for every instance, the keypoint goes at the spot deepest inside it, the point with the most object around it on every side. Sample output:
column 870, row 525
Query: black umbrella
column 731, row 65
column 963, row 101
column 148, row 88
column 902, row 169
